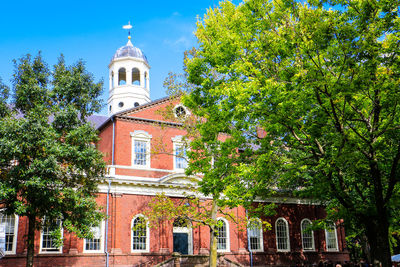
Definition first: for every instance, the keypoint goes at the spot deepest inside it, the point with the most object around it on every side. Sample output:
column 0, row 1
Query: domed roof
column 129, row 51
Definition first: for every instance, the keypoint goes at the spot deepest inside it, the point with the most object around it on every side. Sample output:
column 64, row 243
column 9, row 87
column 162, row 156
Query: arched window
column 11, row 223
column 331, row 238
column 135, row 76
column 140, row 234
column 254, row 230
column 307, row 234
column 222, row 229
column 282, row 235
column 121, row 76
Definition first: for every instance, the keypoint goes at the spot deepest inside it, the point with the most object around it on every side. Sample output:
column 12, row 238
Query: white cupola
column 129, row 79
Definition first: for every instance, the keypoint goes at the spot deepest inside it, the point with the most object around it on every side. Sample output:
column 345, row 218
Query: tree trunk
column 377, row 232
column 213, row 236
column 31, row 241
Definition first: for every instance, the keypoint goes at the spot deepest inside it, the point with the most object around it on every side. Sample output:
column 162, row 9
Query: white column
column 115, row 78
column 141, row 78
column 129, row 76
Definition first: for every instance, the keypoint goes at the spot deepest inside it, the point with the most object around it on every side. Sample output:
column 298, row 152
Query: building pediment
column 179, row 179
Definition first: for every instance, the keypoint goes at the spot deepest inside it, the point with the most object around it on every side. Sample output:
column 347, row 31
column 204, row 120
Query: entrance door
column 181, row 243
column 182, row 234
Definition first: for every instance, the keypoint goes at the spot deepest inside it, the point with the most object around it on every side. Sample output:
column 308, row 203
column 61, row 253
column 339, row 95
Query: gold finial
column 128, row 27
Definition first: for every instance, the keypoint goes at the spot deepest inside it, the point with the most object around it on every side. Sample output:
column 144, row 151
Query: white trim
column 101, row 249
column 228, row 236
column 15, row 238
column 142, row 136
column 60, row 249
column 287, row 235
column 260, row 234
column 336, row 239
column 178, row 141
column 189, row 231
column 312, row 236
column 187, row 112
column 147, row 235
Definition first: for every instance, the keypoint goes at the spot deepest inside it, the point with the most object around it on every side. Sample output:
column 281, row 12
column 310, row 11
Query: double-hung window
column 307, row 235
column 48, row 243
column 331, row 238
column 95, row 244
column 180, row 158
column 254, row 230
column 10, row 224
column 141, row 149
column 222, row 228
column 140, row 234
column 282, row 235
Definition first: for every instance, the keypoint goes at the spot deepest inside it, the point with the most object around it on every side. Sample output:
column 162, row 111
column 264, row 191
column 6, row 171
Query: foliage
column 321, row 79
column 49, row 165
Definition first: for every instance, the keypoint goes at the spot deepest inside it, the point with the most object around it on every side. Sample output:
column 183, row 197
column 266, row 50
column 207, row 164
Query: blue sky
column 92, row 31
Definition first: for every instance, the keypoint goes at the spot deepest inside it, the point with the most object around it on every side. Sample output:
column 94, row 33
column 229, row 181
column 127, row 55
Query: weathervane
column 128, row 27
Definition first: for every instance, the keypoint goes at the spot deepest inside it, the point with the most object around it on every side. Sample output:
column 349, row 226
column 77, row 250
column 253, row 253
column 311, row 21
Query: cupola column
column 142, row 79
column 115, row 78
column 129, row 76
column 148, row 82
column 110, row 75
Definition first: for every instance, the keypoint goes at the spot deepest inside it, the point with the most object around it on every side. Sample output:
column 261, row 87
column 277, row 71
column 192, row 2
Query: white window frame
column 228, row 238
column 143, row 137
column 260, row 234
column 187, row 112
column 147, row 249
column 186, row 230
column 178, row 142
column 302, row 237
column 14, row 244
column 101, row 249
column 327, row 237
column 287, row 235
column 60, row 249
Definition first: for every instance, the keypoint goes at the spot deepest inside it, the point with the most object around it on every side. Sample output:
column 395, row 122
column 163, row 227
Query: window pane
column 180, row 157
column 9, row 221
column 255, row 232
column 95, row 242
column 307, row 236
column 139, row 234
column 222, row 237
column 281, row 235
column 140, row 152
column 48, row 243
column 331, row 238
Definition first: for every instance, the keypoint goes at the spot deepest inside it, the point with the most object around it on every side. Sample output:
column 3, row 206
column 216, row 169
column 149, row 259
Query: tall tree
column 321, row 78
column 49, row 165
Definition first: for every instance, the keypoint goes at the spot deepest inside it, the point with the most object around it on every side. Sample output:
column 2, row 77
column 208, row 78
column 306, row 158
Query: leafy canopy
column 49, row 165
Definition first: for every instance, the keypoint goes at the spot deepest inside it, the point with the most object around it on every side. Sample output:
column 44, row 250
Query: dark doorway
column 181, row 243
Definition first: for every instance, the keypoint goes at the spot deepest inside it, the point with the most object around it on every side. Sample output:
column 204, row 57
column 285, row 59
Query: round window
column 136, row 104
column 120, row 104
column 180, row 112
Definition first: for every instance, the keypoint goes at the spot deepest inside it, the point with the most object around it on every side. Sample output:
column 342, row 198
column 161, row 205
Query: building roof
column 97, row 120
column 129, row 51
column 102, row 120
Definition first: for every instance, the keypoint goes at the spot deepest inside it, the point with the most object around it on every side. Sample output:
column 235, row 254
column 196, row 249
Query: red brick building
column 135, row 129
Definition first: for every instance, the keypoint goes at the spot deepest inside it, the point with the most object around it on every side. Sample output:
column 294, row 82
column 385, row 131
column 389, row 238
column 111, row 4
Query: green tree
column 49, row 165
column 321, row 78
